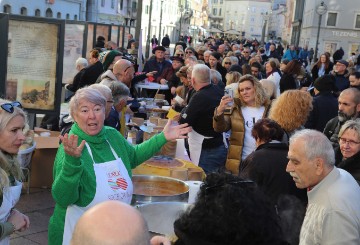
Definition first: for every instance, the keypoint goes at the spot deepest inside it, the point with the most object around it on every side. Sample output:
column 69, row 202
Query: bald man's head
column 124, row 71
column 111, row 223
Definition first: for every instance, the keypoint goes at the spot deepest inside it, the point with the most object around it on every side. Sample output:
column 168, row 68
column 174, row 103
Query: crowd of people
column 279, row 142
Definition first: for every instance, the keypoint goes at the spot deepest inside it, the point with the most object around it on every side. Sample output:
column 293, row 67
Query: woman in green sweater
column 94, row 163
column 12, row 123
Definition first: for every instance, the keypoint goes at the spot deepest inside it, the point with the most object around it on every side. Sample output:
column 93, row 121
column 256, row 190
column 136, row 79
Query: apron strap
column 91, row 155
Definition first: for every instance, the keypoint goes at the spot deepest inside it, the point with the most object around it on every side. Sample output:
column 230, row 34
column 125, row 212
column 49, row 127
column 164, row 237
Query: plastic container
column 24, row 156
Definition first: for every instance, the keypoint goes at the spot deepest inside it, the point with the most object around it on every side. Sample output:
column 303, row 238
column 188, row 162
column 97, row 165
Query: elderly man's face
column 90, row 117
column 303, row 171
column 159, row 54
column 340, row 68
column 206, row 57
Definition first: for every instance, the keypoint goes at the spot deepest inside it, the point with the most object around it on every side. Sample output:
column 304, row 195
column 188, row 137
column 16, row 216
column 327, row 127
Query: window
column 49, row 13
column 121, row 4
column 357, row 21
column 214, row 11
column 147, row 9
column 221, row 1
column 215, row 1
column 219, row 11
column 58, row 15
column 331, row 21
column 112, row 4
column 68, row 16
column 7, row 9
column 102, row 3
column 37, row 13
column 75, row 17
column 134, row 6
column 23, row 11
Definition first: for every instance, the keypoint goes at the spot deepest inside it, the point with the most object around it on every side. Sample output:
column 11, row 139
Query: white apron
column 112, row 183
column 11, row 196
column 195, row 141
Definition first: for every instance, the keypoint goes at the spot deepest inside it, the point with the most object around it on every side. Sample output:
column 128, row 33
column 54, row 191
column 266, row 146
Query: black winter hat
column 325, row 83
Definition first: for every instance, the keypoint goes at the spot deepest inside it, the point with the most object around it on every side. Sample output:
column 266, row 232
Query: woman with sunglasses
column 12, row 123
column 93, row 164
column 190, row 51
column 226, row 63
column 239, row 115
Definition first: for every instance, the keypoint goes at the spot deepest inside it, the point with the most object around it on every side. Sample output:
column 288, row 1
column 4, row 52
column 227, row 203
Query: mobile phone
column 229, row 92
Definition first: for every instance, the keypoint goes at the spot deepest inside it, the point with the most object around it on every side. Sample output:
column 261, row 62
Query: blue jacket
column 290, row 55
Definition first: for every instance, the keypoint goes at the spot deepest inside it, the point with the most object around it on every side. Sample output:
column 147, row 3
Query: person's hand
column 159, row 240
column 20, row 221
column 70, row 145
column 150, row 74
column 172, row 132
column 223, row 104
column 163, row 81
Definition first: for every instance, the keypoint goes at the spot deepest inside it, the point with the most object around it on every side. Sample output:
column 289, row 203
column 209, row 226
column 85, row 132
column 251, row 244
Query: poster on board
column 73, row 49
column 32, row 64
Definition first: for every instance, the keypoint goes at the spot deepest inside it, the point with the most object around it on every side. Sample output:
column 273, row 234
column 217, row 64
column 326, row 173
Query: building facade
column 340, row 26
column 61, row 9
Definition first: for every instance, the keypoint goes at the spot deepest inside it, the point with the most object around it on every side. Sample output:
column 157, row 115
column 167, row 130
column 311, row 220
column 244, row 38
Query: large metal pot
column 148, row 188
column 160, row 216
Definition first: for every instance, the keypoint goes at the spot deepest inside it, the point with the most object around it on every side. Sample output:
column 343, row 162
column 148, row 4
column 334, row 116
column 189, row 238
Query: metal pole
column 147, row 50
column 161, row 10
column 317, row 39
column 263, row 32
column 181, row 11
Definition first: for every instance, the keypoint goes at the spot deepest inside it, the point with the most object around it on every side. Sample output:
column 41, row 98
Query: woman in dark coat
column 266, row 165
column 289, row 77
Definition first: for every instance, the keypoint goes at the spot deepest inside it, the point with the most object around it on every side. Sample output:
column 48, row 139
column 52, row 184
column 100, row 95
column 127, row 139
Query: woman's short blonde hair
column 291, row 109
column 226, row 59
column 232, row 77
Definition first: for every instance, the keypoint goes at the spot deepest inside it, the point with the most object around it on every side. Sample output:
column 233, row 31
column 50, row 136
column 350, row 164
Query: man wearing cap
column 348, row 108
column 341, row 75
column 325, row 104
column 157, row 62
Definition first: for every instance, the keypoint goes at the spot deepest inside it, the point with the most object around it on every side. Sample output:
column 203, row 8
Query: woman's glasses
column 9, row 107
column 227, row 63
column 188, row 52
column 180, row 55
column 351, row 143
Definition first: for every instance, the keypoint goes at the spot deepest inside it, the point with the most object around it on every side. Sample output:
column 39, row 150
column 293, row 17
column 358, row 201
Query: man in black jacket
column 206, row 146
column 325, row 104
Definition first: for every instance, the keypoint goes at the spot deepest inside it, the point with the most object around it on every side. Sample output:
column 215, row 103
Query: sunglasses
column 227, row 63
column 180, row 55
column 9, row 107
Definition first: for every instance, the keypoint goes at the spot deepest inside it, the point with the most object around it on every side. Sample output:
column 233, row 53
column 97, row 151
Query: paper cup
column 178, row 99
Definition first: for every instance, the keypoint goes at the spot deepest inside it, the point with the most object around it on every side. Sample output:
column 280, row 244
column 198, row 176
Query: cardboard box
column 43, row 158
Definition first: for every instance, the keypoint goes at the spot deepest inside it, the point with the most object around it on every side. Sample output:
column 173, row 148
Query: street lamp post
column 147, row 50
column 320, row 10
column 181, row 12
column 161, row 10
column 266, row 18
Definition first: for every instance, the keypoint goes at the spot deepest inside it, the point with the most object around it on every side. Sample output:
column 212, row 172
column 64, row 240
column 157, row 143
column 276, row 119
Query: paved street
column 38, row 205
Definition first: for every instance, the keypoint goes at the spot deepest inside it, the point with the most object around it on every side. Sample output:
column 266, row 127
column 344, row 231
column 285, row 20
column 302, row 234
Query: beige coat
column 234, row 120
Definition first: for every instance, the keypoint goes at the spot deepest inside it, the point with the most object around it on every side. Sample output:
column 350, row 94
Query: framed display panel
column 33, row 62
column 90, row 41
column 93, row 31
column 121, row 36
column 74, row 48
column 126, row 37
column 115, row 34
